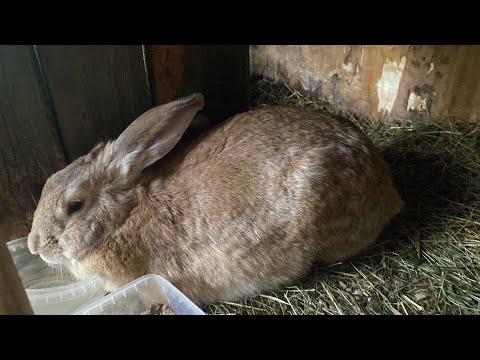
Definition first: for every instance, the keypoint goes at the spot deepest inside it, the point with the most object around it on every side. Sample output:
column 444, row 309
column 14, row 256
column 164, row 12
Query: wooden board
column 13, row 298
column 97, row 91
column 220, row 72
column 30, row 149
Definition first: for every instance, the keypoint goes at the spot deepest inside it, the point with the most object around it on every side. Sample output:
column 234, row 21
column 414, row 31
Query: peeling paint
column 309, row 80
column 432, row 66
column 348, row 67
column 445, row 80
column 416, row 102
column 389, row 83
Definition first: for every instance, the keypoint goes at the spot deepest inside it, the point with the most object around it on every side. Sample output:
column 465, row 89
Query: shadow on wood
column 30, row 149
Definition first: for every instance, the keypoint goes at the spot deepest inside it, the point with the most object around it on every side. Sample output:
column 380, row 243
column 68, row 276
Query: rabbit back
column 260, row 198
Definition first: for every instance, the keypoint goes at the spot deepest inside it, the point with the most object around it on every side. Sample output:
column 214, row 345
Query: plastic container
column 136, row 297
column 51, row 292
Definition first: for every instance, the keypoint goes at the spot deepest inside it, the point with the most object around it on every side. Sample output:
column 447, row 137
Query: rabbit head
column 89, row 198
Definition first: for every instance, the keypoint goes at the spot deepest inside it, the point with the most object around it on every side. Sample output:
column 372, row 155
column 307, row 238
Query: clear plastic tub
column 137, row 297
column 51, row 292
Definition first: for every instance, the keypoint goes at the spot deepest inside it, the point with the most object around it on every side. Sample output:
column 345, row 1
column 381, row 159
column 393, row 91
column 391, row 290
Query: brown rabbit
column 246, row 207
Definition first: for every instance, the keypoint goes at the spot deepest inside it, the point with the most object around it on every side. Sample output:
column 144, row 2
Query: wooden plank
column 97, row 91
column 166, row 71
column 30, row 149
column 220, row 72
column 13, row 299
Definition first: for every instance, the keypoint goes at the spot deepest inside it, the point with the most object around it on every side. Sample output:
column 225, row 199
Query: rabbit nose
column 32, row 243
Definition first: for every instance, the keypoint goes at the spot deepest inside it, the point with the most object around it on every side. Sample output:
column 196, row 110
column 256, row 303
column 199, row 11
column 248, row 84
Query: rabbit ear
column 97, row 149
column 152, row 135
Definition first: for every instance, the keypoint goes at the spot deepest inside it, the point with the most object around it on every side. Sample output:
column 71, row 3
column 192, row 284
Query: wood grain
column 97, row 91
column 220, row 72
column 13, row 299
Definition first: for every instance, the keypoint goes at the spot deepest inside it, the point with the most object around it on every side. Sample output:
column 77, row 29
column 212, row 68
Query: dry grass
column 428, row 260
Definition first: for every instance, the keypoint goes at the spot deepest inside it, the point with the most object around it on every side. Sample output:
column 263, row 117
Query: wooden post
column 220, row 72
column 13, row 298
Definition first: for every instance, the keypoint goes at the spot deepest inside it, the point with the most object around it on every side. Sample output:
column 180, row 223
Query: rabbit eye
column 74, row 206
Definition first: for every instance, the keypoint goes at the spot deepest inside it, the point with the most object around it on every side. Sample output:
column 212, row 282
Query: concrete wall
column 380, row 81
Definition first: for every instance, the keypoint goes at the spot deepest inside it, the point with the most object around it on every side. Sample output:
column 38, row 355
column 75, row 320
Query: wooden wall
column 380, row 81
column 56, row 102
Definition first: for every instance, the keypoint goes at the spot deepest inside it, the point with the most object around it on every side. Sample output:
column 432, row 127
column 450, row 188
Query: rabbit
column 247, row 207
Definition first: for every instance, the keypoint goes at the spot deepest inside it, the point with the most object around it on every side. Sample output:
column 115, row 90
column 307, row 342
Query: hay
column 428, row 260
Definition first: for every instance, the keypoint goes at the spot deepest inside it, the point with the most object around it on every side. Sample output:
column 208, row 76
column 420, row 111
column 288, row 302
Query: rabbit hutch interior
column 191, row 180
